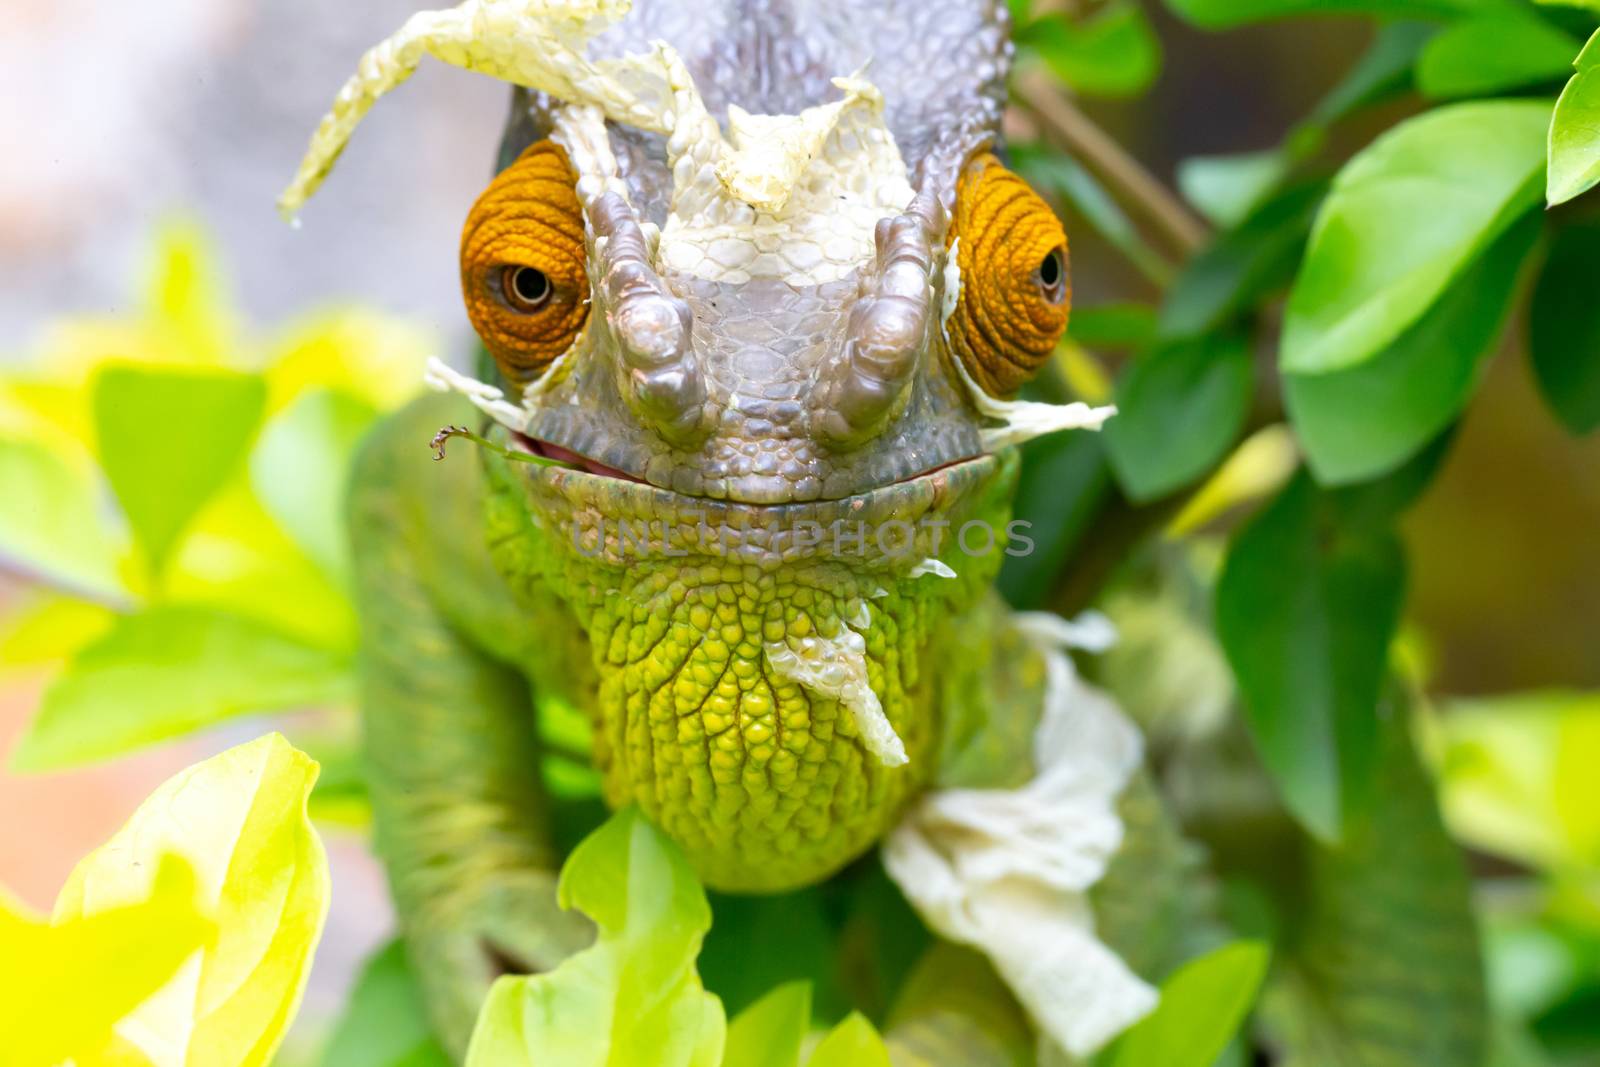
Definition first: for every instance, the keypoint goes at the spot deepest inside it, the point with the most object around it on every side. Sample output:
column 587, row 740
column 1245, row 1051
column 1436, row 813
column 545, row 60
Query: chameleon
column 759, row 293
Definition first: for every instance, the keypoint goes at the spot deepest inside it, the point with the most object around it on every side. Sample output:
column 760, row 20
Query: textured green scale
column 764, row 783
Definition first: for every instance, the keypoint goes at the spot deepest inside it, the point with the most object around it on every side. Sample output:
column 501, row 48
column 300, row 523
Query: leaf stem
column 1061, row 121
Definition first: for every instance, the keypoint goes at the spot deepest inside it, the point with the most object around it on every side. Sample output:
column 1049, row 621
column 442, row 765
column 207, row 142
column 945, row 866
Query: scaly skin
column 764, row 783
column 764, row 368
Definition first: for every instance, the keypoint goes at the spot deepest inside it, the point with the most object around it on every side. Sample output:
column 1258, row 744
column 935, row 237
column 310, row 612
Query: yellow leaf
column 1256, row 469
column 186, row 299
column 1516, row 777
column 64, row 985
column 853, row 1043
column 262, row 876
column 374, row 357
column 49, row 628
column 237, row 558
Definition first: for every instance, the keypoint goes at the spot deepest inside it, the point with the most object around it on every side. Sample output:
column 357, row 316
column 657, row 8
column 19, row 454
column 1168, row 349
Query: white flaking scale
column 1022, row 420
column 836, row 668
column 932, row 566
column 790, row 197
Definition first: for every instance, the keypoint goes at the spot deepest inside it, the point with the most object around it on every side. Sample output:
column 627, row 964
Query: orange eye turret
column 522, row 263
column 1016, row 287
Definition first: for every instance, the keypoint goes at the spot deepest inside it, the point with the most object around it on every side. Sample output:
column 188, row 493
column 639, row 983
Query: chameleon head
column 774, row 316
column 774, row 353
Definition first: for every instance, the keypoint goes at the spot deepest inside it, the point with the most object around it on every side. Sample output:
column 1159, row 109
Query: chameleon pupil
column 1050, row 270
column 529, row 287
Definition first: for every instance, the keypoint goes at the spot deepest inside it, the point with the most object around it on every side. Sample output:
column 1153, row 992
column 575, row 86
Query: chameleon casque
column 762, row 318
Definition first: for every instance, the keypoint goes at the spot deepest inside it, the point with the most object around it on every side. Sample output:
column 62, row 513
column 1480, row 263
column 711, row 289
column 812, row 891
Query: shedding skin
column 1006, row 322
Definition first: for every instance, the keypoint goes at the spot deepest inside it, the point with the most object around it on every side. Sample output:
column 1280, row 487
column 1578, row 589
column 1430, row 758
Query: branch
column 1070, row 129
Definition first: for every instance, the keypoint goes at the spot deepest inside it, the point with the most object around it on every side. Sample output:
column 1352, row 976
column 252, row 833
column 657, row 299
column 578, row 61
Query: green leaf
column 1179, row 408
column 168, row 439
column 239, row 819
column 761, row 942
column 1494, row 54
column 1386, row 970
column 52, row 524
column 853, row 1043
column 1227, row 188
column 299, row 471
column 1564, row 329
column 1405, row 217
column 1306, row 607
column 1064, row 478
column 1202, row 1005
column 1575, row 130
column 1242, row 265
column 633, row 997
column 1383, row 71
column 168, row 671
column 1113, row 52
column 1364, row 421
column 1219, row 14
column 384, row 1024
column 1120, row 325
column 768, row 1033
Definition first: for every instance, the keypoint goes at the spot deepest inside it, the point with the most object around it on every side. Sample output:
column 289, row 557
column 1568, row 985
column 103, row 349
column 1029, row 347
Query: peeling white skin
column 1008, row 870
column 952, row 284
column 798, row 198
column 1091, row 631
column 443, row 378
column 789, row 197
column 1023, row 419
column 932, row 566
column 836, row 668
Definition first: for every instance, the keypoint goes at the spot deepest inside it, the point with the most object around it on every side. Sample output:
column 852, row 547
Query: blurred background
column 143, row 141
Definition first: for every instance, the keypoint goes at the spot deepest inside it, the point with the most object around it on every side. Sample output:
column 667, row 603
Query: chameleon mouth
column 521, row 442
column 573, row 460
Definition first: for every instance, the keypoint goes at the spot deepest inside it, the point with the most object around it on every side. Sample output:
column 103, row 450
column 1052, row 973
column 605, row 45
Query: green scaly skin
column 764, row 784
column 472, row 588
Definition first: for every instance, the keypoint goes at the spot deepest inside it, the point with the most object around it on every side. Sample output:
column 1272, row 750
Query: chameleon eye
column 1016, row 288
column 522, row 263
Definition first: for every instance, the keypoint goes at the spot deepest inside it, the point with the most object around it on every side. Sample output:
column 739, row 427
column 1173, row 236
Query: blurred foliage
column 188, row 937
column 635, row 996
column 1380, row 278
column 183, row 485
column 1291, row 382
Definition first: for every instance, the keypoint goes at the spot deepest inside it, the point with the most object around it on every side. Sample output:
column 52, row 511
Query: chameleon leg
column 449, row 730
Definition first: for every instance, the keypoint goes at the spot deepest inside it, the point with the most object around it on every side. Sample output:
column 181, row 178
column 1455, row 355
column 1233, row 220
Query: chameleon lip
column 523, row 443
column 579, row 462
